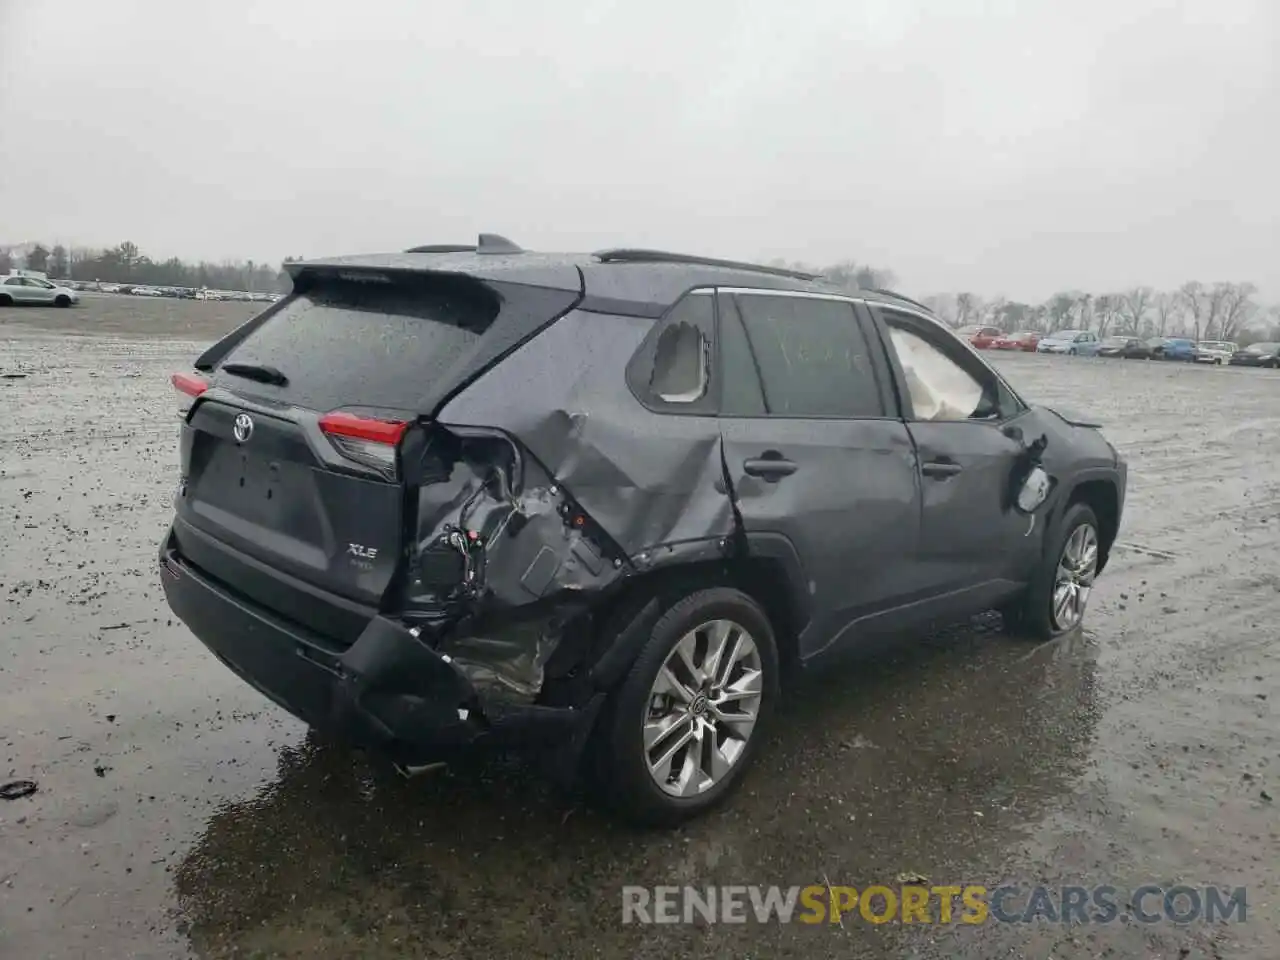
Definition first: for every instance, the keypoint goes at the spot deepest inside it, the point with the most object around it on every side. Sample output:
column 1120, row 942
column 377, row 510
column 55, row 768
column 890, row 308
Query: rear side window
column 672, row 369
column 348, row 343
column 812, row 355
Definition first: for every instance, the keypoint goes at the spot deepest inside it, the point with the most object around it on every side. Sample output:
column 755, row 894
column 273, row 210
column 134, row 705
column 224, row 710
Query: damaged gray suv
column 600, row 506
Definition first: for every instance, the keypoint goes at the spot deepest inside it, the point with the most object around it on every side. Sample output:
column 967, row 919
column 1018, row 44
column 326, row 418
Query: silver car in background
column 1215, row 351
column 20, row 289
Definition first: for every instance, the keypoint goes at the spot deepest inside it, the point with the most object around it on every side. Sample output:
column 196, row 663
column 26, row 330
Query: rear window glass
column 345, row 344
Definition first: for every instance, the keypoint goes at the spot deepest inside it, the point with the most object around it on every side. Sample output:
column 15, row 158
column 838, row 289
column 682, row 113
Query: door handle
column 771, row 469
column 940, row 469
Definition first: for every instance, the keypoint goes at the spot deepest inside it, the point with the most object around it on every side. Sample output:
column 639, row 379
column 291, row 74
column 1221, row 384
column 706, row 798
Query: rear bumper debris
column 389, row 691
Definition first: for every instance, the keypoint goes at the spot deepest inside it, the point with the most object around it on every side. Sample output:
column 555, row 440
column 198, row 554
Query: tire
column 620, row 758
column 62, row 301
column 1032, row 615
column 6, row 300
column 1071, row 352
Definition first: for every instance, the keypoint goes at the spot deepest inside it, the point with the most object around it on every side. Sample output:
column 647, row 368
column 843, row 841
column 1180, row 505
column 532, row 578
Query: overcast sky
column 1000, row 147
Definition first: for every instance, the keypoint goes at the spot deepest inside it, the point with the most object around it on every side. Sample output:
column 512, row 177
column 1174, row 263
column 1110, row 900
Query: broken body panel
column 526, row 496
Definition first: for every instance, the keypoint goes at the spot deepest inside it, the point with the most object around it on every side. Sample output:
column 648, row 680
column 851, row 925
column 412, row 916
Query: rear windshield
column 345, row 343
column 1263, row 347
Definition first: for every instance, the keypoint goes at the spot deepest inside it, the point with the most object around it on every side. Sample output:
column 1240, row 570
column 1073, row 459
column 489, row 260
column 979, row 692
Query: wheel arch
column 769, row 573
column 1102, row 496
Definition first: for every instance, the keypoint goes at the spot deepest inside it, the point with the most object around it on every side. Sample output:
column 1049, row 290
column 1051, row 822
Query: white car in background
column 18, row 289
column 1215, row 351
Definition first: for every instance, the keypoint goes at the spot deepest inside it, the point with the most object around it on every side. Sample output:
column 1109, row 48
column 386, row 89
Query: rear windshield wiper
column 256, row 371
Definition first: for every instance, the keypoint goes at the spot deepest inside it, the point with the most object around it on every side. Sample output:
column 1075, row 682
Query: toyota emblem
column 243, row 428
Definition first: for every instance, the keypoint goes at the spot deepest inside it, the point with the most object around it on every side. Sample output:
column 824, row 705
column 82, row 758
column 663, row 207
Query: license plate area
column 261, row 489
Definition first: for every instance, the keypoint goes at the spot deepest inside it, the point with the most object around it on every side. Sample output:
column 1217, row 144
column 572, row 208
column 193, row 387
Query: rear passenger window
column 812, row 355
column 682, row 355
column 672, row 369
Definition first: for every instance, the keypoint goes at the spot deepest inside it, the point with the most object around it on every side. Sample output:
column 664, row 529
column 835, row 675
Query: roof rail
column 490, row 243
column 894, row 295
column 624, row 255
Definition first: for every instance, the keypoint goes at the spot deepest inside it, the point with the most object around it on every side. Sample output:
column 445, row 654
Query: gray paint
column 870, row 540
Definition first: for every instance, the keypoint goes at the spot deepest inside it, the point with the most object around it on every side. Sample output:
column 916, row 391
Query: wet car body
column 1257, row 355
column 1216, row 352
column 980, row 337
column 1083, row 343
column 423, row 556
column 1129, row 348
column 1026, row 342
column 1175, row 348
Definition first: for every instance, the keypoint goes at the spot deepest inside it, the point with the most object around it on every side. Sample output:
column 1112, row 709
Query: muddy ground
column 178, row 813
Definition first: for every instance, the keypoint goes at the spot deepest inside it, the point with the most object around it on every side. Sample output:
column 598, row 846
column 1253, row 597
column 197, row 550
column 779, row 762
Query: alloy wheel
column 702, row 708
column 1077, row 567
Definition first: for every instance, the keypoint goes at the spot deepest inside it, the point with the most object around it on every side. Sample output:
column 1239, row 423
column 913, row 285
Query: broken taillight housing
column 365, row 440
column 188, row 386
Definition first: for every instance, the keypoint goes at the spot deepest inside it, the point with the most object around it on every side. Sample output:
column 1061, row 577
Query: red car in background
column 1025, row 341
column 981, row 337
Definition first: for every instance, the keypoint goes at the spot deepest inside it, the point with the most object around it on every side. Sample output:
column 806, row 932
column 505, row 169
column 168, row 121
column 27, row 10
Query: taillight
column 365, row 440
column 188, row 387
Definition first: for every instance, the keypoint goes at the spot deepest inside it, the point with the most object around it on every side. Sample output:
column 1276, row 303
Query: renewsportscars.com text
column 938, row 904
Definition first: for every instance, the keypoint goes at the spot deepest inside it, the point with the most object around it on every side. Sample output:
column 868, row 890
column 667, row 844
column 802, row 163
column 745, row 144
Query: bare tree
column 1215, row 303
column 1058, row 310
column 1134, row 305
column 1106, row 309
column 1082, row 311
column 1192, row 294
column 943, row 306
column 968, row 308
column 1014, row 316
column 1236, row 308
column 852, row 275
column 1168, row 306
column 993, row 311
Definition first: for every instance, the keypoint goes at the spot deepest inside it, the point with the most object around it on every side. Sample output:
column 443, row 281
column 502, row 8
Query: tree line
column 125, row 263
column 1201, row 311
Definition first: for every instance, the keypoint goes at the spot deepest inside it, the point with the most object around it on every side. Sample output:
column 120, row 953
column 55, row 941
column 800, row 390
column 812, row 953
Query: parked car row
column 1087, row 343
column 180, row 293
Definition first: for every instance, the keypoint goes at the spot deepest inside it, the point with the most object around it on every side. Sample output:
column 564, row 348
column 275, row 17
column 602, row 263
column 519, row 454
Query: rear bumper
column 389, row 691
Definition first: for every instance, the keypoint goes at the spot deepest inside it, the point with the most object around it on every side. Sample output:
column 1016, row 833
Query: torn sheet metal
column 504, row 568
column 645, row 480
column 520, row 540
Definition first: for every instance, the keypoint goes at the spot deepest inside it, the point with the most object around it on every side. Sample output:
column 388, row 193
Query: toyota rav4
column 602, row 505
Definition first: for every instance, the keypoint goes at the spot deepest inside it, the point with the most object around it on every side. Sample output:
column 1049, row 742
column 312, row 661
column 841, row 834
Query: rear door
column 18, row 289
column 817, row 460
column 964, row 422
column 291, row 487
